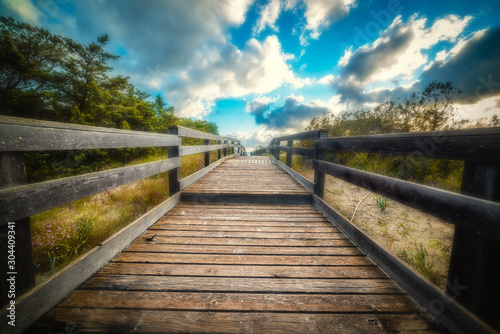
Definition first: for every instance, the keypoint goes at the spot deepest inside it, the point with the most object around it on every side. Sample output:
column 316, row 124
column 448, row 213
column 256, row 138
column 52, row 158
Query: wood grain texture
column 19, row 134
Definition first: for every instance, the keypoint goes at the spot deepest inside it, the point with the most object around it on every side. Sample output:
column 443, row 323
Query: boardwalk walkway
column 246, row 265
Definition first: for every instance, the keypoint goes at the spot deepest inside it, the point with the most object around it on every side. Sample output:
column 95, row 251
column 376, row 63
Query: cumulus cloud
column 320, row 14
column 293, row 114
column 327, row 80
column 397, row 54
column 229, row 72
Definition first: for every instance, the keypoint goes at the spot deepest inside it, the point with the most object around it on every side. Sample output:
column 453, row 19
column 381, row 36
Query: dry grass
column 61, row 235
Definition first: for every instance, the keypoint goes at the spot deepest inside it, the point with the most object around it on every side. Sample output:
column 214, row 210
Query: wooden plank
column 149, row 247
column 32, row 135
column 251, row 241
column 482, row 145
column 302, row 180
column 313, row 134
column 154, row 321
column 198, row 234
column 181, row 210
column 242, row 284
column 190, row 133
column 251, row 197
column 22, row 201
column 211, row 222
column 231, row 228
column 443, row 308
column 187, row 150
column 249, row 218
column 477, row 215
column 306, row 152
column 240, row 301
column 217, row 270
column 43, row 297
column 243, row 260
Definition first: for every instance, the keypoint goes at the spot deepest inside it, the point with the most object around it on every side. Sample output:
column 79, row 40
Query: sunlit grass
column 61, row 235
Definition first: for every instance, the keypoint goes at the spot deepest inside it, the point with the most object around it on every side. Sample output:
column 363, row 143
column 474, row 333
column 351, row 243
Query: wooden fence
column 474, row 273
column 19, row 200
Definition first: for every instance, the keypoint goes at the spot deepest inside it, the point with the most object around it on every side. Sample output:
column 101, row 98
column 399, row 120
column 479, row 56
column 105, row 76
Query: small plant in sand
column 382, row 203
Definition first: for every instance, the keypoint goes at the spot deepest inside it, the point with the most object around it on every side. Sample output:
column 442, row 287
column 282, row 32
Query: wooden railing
column 19, row 200
column 474, row 273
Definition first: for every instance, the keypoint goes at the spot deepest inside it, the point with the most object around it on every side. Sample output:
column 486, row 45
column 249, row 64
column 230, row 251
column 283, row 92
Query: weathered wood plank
column 231, row 228
column 149, row 247
column 187, row 150
column 276, row 235
column 217, row 270
column 313, row 134
column 153, row 321
column 240, row 301
column 42, row 298
column 32, row 135
column 306, row 152
column 242, row 284
column 222, row 259
column 211, row 222
column 472, row 213
column 250, row 241
column 22, row 201
column 468, row 145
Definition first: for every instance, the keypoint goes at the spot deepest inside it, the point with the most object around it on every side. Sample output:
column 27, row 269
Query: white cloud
column 229, row 72
column 327, row 79
column 268, row 16
column 234, row 11
column 321, row 13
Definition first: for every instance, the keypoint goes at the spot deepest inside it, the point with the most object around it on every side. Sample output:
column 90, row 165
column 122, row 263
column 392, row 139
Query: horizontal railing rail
column 19, row 200
column 475, row 212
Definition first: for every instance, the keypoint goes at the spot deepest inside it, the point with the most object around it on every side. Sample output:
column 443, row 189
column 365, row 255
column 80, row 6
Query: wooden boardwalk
column 215, row 266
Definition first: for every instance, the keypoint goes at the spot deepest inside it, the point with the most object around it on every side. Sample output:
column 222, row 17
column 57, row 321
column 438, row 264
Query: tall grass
column 61, row 235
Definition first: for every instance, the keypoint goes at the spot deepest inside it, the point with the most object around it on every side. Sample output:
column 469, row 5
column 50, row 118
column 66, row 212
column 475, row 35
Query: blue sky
column 263, row 68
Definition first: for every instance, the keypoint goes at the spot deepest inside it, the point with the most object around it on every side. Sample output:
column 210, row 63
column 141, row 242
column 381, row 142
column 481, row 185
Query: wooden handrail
column 476, row 212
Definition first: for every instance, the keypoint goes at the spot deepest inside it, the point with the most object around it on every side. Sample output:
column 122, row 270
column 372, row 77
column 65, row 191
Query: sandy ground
column 398, row 228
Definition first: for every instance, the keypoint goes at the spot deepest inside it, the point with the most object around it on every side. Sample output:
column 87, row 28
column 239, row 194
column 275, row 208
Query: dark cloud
column 290, row 115
column 475, row 69
column 367, row 61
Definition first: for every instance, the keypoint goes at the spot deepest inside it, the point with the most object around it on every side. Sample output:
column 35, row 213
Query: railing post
column 225, row 148
column 474, row 273
column 207, row 154
column 289, row 154
column 12, row 173
column 219, row 151
column 277, row 150
column 174, row 174
column 319, row 177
